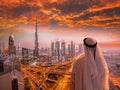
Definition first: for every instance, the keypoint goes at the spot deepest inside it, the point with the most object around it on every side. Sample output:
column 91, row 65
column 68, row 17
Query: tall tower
column 11, row 45
column 52, row 49
column 57, row 49
column 80, row 48
column 36, row 50
column 72, row 48
column 63, row 48
column 69, row 50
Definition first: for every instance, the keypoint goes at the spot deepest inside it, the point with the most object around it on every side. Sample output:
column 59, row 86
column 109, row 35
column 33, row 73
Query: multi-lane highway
column 52, row 77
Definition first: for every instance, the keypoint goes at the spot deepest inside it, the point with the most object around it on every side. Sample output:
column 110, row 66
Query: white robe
column 77, row 75
column 89, row 73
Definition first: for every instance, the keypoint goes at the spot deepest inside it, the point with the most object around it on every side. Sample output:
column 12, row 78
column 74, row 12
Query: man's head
column 90, row 44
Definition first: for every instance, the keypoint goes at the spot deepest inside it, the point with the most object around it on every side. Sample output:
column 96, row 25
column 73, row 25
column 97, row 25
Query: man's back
column 78, row 74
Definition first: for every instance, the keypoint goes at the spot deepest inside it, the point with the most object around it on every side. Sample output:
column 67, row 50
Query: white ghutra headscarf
column 95, row 67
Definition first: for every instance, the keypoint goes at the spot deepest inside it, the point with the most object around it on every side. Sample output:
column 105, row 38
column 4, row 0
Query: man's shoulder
column 80, row 59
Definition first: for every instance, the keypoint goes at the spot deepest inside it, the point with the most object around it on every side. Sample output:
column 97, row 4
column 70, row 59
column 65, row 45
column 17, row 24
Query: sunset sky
column 60, row 19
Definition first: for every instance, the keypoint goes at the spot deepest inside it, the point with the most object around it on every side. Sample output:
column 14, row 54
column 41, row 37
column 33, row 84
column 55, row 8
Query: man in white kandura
column 90, row 71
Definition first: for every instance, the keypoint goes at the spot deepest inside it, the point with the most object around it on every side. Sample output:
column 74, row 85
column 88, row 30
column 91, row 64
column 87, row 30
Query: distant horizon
column 60, row 19
column 30, row 45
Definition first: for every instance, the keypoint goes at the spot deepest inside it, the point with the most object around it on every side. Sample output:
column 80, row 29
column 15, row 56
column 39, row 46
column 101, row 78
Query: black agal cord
column 91, row 46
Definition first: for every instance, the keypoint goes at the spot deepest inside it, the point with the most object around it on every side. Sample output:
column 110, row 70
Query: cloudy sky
column 60, row 19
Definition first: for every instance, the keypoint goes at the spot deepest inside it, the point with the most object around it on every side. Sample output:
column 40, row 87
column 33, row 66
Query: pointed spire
column 36, row 24
column 36, row 20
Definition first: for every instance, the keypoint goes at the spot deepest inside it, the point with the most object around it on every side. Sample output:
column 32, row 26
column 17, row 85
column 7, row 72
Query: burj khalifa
column 36, row 50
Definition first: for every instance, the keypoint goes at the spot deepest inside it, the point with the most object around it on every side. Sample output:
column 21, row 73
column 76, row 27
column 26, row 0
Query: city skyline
column 73, row 20
column 47, row 36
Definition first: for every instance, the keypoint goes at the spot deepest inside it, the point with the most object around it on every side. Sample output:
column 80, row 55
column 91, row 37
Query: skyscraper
column 63, row 48
column 52, row 49
column 69, row 50
column 25, row 53
column 72, row 48
column 57, row 49
column 36, row 50
column 11, row 45
column 80, row 48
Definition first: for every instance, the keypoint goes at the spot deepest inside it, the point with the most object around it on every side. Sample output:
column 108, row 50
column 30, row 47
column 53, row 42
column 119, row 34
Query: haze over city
column 63, row 20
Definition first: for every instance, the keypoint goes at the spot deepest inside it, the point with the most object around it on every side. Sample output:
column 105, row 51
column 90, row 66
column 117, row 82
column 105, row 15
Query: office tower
column 72, row 48
column 18, row 49
column 80, row 48
column 57, row 50
column 11, row 45
column 63, row 48
column 52, row 49
column 69, row 50
column 25, row 53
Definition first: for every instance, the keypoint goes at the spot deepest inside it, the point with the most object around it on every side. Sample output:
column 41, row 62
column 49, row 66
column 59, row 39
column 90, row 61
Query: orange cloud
column 104, row 4
column 98, row 13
